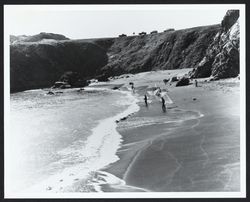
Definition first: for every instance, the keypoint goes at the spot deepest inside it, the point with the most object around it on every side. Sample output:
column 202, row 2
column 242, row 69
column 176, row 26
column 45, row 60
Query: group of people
column 158, row 93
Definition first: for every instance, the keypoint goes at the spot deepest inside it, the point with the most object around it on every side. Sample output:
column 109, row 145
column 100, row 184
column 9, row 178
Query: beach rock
column 174, row 78
column 165, row 81
column 50, row 93
column 194, row 98
column 115, row 88
column 184, row 81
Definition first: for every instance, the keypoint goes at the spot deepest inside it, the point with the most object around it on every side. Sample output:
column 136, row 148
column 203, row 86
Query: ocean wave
column 98, row 151
column 174, row 116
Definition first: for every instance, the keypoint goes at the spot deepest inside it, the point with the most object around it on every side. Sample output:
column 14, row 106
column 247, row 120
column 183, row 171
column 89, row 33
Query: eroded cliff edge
column 38, row 61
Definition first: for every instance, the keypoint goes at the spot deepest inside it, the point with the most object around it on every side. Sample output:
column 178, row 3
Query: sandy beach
column 193, row 146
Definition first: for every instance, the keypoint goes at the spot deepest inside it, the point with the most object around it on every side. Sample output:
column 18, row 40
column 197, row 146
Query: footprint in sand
column 71, row 174
column 61, row 180
column 76, row 179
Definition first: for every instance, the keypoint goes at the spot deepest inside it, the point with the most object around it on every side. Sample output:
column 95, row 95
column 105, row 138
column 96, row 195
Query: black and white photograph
column 147, row 100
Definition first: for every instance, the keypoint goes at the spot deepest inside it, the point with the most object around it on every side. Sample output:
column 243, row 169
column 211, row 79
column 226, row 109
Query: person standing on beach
column 146, row 100
column 133, row 88
column 196, row 83
column 163, row 104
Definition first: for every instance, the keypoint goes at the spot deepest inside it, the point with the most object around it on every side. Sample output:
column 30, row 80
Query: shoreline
column 101, row 146
column 156, row 164
column 187, row 148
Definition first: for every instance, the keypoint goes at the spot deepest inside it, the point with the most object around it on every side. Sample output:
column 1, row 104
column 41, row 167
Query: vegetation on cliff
column 38, row 61
column 36, row 65
column 37, row 37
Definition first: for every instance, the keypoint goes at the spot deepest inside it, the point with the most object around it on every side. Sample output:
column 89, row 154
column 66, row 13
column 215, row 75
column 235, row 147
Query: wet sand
column 194, row 146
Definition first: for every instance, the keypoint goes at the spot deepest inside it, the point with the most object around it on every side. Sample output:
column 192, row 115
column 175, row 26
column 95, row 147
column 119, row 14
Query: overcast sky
column 81, row 21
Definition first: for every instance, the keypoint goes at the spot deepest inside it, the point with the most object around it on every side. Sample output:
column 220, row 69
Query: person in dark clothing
column 146, row 100
column 196, row 83
column 133, row 88
column 163, row 104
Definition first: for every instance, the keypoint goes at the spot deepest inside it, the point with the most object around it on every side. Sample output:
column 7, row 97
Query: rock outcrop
column 184, row 81
column 222, row 56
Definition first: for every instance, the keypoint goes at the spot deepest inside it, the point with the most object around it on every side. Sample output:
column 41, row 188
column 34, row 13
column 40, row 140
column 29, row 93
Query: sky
column 82, row 21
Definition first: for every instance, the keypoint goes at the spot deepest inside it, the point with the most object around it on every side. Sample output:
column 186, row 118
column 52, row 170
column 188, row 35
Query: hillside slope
column 209, row 50
column 171, row 50
column 37, row 37
column 38, row 65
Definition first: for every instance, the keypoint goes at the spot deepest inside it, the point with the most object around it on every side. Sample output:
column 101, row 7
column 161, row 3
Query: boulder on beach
column 184, row 81
column 50, row 93
column 123, row 119
column 174, row 78
column 165, row 81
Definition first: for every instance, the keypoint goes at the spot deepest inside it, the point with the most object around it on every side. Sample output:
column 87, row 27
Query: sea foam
column 99, row 151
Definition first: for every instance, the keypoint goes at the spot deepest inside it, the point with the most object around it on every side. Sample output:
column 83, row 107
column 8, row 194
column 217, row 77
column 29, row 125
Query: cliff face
column 170, row 50
column 210, row 50
column 222, row 56
column 38, row 65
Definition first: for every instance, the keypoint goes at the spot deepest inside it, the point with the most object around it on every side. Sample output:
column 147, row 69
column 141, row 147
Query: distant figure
column 196, row 83
column 146, row 100
column 163, row 104
column 133, row 88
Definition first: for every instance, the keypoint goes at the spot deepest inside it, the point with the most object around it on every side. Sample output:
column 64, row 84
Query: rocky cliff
column 168, row 50
column 38, row 65
column 222, row 56
column 40, row 60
